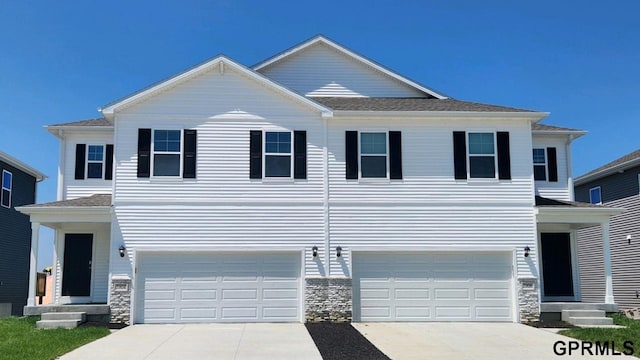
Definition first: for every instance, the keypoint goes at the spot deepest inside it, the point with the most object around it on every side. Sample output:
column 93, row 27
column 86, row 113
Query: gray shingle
column 93, row 200
column 88, row 122
column 635, row 155
column 544, row 127
column 408, row 104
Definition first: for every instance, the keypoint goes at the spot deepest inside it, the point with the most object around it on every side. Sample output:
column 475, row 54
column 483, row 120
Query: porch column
column 33, row 270
column 608, row 279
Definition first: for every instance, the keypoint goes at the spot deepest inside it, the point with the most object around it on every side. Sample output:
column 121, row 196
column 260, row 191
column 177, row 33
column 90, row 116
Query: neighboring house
column 18, row 181
column 616, row 184
column 315, row 185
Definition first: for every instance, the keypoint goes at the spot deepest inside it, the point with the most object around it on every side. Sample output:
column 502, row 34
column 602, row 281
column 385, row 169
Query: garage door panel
column 279, row 294
column 439, row 287
column 154, row 295
column 290, row 313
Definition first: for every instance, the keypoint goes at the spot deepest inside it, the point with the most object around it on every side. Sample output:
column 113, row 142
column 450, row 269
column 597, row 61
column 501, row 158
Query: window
column 166, row 152
column 482, row 155
column 95, row 161
column 277, row 154
column 7, row 185
column 373, row 155
column 595, row 195
column 539, row 165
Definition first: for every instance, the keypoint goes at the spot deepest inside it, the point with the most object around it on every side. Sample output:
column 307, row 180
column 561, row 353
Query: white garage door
column 432, row 286
column 218, row 287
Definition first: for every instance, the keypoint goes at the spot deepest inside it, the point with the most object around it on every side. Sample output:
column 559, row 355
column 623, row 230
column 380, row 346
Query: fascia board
column 606, row 172
column 533, row 116
column 22, row 166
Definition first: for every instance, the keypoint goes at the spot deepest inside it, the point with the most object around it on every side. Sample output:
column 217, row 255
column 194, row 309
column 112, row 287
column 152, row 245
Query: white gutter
column 534, row 116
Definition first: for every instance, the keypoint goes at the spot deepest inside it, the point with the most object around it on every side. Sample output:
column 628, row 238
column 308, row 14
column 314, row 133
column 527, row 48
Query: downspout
column 569, row 168
column 61, row 165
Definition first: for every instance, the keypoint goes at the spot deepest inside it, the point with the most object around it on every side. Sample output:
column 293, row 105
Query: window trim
column 545, row 164
column 495, row 155
column 599, row 192
column 9, row 189
column 103, row 162
column 387, row 155
column 153, row 154
column 290, row 154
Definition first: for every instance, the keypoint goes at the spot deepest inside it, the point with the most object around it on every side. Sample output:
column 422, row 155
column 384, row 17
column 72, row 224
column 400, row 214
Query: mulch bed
column 342, row 341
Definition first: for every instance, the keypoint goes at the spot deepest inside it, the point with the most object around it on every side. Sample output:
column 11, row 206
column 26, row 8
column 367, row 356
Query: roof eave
column 532, row 116
column 574, row 133
column 35, row 209
column 596, row 211
column 22, row 166
column 606, row 172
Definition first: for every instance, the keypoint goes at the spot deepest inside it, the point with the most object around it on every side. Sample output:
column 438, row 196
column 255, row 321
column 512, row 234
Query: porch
column 94, row 312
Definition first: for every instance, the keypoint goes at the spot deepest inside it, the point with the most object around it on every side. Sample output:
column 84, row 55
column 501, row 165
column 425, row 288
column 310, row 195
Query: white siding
column 323, row 71
column 73, row 188
column 554, row 190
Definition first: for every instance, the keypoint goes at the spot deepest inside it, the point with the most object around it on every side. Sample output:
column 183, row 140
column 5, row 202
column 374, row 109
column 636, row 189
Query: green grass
column 618, row 336
column 19, row 339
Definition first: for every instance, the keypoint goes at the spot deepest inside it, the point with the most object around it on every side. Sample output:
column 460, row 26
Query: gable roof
column 368, row 62
column 620, row 164
column 219, row 62
column 21, row 166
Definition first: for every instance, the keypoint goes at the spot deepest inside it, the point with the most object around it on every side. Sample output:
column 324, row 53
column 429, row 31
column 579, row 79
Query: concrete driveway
column 466, row 341
column 206, row 341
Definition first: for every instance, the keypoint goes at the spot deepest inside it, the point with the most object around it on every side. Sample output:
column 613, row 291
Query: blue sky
column 60, row 61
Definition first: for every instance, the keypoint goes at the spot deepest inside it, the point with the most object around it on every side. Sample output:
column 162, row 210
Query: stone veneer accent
column 120, row 300
column 328, row 299
column 528, row 300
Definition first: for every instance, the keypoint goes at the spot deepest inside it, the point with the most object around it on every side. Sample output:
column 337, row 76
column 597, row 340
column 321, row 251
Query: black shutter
column 81, row 156
column 552, row 161
column 460, row 155
column 504, row 156
column 144, row 153
column 108, row 165
column 351, row 154
column 189, row 155
column 395, row 154
column 299, row 154
column 255, row 157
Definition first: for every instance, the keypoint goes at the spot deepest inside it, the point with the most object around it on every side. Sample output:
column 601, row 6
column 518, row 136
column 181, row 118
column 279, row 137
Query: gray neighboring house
column 18, row 182
column 616, row 184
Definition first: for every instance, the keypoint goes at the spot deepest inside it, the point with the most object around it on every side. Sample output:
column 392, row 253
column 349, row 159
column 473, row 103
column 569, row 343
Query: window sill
column 374, row 181
column 276, row 180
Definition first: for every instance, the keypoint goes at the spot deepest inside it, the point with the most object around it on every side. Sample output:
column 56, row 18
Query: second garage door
column 432, row 286
column 218, row 287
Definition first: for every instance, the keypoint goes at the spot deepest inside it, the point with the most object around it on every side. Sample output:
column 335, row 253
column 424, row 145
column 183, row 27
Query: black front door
column 557, row 273
column 76, row 274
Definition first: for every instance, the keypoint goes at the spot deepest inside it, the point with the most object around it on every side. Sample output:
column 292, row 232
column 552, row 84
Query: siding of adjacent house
column 73, row 188
column 618, row 190
column 554, row 190
column 323, row 71
column 15, row 241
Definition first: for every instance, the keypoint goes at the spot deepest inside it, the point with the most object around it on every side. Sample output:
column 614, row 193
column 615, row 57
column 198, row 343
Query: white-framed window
column 7, row 188
column 482, row 155
column 166, row 148
column 277, row 154
column 374, row 155
column 539, row 165
column 95, row 161
column 595, row 195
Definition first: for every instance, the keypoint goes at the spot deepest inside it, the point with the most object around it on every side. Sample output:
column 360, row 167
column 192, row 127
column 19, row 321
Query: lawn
column 617, row 336
column 19, row 339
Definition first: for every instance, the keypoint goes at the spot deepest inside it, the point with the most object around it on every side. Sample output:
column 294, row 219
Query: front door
column 76, row 273
column 557, row 270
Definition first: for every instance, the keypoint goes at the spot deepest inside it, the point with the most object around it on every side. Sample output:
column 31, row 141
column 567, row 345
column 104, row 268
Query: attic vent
column 221, row 68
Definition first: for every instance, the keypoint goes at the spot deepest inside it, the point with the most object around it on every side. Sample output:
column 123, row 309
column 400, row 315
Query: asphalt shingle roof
column 542, row 201
column 408, row 104
column 93, row 200
column 619, row 161
column 544, row 127
column 87, row 122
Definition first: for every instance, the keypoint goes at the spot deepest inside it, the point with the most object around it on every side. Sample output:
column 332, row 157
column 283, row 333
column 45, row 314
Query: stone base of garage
column 328, row 299
column 528, row 300
column 120, row 300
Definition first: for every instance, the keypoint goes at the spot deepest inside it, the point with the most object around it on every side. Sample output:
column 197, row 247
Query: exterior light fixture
column 526, row 251
column 122, row 250
column 314, row 251
column 338, row 251
column 629, row 239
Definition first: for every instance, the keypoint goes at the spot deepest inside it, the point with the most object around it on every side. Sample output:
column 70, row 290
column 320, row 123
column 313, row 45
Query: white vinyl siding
column 550, row 189
column 322, row 71
column 73, row 188
column 436, row 286
column 218, row 287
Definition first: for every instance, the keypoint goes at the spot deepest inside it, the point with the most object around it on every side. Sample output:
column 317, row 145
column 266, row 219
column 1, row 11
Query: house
column 18, row 184
column 615, row 184
column 315, row 185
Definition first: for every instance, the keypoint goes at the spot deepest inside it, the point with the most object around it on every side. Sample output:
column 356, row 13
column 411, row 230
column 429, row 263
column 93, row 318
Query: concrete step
column 581, row 320
column 566, row 314
column 54, row 324
column 65, row 316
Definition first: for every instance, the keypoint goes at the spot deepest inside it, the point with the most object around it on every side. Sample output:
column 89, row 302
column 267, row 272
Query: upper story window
column 167, row 152
column 94, row 161
column 7, row 186
column 595, row 195
column 539, row 165
column 482, row 155
column 373, row 154
column 277, row 154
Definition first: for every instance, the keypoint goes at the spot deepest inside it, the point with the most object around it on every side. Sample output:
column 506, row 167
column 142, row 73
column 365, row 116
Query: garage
column 218, row 287
column 435, row 286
